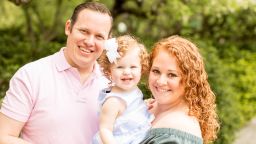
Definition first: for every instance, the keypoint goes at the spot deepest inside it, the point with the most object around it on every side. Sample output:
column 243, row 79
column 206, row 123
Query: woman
column 184, row 108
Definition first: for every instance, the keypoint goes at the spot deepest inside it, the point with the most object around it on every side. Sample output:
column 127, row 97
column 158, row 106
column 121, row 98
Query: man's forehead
column 101, row 23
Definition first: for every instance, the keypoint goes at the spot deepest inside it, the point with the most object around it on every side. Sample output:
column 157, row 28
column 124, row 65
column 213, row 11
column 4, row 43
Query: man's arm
column 10, row 130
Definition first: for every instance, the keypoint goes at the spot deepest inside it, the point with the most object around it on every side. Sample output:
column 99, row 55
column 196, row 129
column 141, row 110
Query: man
column 54, row 100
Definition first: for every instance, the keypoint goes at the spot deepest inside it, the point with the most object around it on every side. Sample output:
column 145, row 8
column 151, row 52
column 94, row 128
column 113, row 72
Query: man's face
column 85, row 39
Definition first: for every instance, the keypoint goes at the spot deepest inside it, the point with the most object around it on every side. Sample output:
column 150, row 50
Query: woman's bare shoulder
column 180, row 121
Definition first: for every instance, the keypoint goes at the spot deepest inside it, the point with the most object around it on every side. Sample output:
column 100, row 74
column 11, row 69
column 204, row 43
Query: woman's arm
column 111, row 109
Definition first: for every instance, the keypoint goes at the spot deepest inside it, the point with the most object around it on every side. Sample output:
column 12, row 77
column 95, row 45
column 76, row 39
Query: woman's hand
column 150, row 103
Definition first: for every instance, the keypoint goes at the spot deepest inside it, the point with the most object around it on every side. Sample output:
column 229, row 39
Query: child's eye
column 119, row 67
column 133, row 67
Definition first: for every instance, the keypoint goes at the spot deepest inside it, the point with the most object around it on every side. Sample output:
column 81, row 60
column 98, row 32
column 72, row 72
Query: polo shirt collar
column 62, row 63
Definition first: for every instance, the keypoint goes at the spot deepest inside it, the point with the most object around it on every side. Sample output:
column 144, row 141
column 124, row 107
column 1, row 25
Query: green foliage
column 15, row 51
column 8, row 19
column 224, row 31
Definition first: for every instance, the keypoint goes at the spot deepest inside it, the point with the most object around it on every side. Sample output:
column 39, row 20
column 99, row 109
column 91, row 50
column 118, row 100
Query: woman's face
column 165, row 79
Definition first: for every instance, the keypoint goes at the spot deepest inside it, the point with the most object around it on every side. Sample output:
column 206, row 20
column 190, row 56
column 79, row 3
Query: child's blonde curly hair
column 198, row 94
column 125, row 43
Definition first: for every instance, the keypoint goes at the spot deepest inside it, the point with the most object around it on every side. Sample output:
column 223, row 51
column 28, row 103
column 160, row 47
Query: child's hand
column 150, row 103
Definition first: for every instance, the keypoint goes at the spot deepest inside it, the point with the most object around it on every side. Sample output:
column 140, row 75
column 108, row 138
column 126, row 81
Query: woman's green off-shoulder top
column 170, row 136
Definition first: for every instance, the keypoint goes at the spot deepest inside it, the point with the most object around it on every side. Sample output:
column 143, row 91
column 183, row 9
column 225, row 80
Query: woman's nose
column 162, row 80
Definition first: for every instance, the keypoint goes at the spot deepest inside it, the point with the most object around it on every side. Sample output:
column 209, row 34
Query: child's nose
column 127, row 71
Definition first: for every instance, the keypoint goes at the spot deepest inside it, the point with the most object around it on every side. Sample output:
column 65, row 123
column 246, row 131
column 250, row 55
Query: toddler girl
column 124, row 118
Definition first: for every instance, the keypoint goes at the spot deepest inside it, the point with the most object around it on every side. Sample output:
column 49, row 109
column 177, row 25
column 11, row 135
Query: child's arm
column 111, row 109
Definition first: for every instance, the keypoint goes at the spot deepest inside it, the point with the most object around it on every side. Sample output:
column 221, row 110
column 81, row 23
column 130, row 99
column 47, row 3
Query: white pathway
column 247, row 135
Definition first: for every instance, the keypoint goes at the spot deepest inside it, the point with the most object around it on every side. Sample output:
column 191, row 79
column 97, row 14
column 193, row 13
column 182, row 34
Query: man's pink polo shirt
column 57, row 109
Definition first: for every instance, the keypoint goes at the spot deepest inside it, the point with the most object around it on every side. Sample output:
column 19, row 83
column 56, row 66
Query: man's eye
column 83, row 31
column 99, row 37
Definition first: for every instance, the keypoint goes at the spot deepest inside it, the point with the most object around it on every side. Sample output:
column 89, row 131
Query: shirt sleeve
column 17, row 103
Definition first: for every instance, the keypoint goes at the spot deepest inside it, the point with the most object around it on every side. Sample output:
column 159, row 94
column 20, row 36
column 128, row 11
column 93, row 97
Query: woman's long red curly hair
column 198, row 94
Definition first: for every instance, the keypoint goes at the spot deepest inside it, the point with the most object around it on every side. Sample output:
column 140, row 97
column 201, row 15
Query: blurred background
column 224, row 31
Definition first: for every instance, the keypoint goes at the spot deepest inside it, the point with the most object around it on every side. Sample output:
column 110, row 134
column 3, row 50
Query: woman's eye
column 172, row 75
column 155, row 71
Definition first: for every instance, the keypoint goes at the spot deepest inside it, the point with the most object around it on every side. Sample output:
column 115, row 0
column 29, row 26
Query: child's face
column 126, row 72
